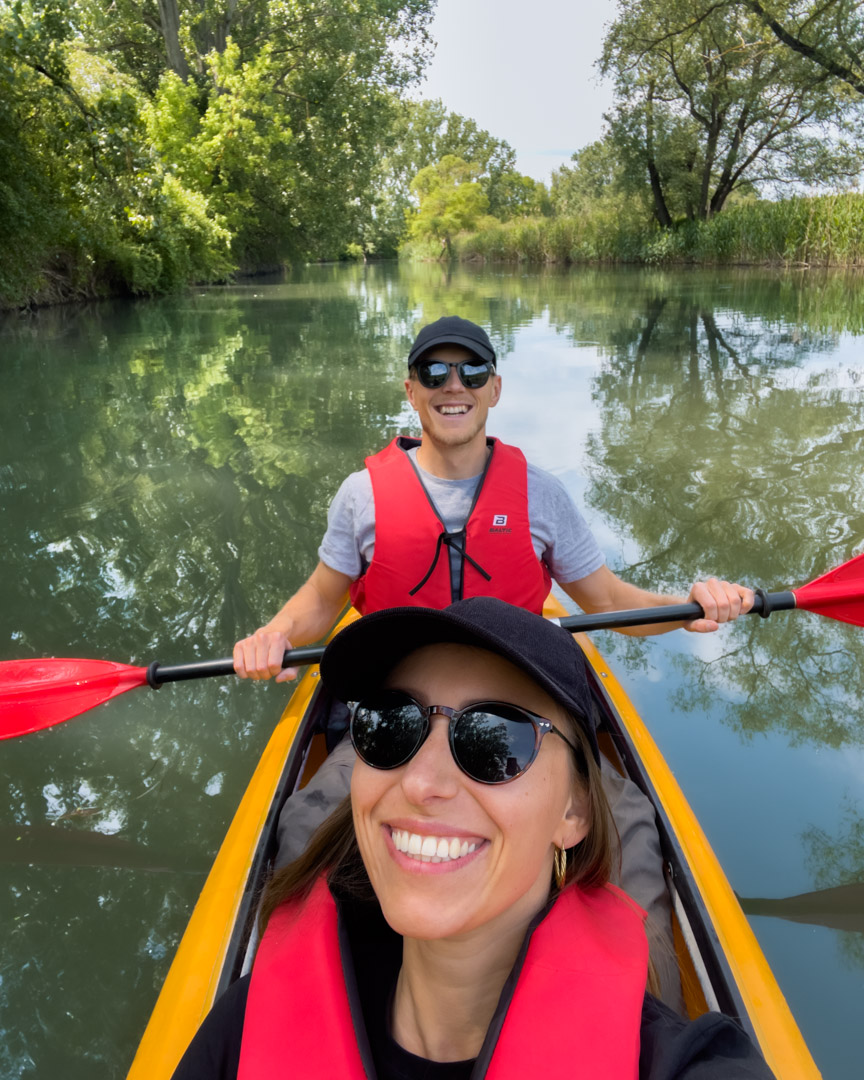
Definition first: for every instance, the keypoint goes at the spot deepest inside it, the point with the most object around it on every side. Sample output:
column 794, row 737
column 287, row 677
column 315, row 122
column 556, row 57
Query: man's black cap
column 451, row 330
column 359, row 658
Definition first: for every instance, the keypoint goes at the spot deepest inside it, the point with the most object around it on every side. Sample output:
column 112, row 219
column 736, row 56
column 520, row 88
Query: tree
column 595, row 177
column 421, row 133
column 450, row 198
column 283, row 109
column 707, row 105
column 829, row 33
column 145, row 145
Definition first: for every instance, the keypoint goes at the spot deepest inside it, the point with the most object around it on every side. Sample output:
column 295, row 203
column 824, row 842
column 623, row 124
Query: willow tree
column 828, row 33
column 708, row 104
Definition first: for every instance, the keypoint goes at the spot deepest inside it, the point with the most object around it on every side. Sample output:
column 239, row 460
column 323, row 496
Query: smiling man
column 456, row 514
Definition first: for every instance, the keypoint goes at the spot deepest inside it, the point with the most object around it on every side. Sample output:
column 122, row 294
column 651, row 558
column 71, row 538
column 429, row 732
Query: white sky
column 524, row 70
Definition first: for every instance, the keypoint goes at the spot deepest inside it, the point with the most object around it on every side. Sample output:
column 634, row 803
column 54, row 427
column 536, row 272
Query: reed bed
column 825, row 230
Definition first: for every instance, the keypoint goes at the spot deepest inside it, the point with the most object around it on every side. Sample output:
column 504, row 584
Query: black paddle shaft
column 763, row 604
column 161, row 673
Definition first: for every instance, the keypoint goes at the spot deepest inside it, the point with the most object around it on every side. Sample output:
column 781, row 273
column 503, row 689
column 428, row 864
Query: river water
column 165, row 470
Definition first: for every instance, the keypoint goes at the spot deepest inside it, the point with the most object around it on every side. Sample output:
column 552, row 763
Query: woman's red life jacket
column 411, row 561
column 575, row 1009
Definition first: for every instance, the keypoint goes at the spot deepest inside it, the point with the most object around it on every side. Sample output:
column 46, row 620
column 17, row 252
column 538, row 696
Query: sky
column 524, row 70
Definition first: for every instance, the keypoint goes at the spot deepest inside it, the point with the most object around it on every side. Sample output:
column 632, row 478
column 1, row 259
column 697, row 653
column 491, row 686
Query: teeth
column 431, row 848
column 449, row 410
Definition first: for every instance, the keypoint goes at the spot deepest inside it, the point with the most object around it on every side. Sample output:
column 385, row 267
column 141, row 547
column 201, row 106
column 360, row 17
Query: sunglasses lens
column 493, row 747
column 474, row 376
column 387, row 730
column 432, row 373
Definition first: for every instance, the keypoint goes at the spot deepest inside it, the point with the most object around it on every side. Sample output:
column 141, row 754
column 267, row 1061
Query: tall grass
column 826, row 230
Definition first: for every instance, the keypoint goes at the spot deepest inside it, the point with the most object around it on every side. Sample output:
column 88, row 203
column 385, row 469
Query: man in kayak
column 453, row 515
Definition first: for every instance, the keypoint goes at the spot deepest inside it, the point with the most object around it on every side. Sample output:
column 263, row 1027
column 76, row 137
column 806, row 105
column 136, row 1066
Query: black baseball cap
column 451, row 330
column 360, row 657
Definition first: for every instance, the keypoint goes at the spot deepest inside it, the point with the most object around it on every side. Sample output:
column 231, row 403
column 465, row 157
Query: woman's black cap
column 360, row 657
column 451, row 330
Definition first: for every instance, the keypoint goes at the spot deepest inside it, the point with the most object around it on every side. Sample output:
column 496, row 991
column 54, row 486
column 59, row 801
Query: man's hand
column 259, row 656
column 721, row 602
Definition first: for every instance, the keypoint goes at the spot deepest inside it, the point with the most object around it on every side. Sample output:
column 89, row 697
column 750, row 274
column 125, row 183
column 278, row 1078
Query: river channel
column 165, row 471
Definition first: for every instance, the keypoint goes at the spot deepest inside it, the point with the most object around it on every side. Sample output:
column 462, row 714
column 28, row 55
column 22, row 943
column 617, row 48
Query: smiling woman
column 454, row 916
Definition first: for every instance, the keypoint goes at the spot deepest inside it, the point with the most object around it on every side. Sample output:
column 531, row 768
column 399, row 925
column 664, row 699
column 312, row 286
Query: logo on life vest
column 499, row 520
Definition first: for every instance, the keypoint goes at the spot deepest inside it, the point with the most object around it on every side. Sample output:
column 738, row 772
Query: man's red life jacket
column 411, row 561
column 575, row 1009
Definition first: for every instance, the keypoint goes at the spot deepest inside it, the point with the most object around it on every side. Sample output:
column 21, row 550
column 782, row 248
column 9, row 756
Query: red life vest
column 498, row 555
column 575, row 1010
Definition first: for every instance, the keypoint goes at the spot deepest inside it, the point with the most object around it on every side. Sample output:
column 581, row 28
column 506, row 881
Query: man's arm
column 605, row 591
column 306, row 617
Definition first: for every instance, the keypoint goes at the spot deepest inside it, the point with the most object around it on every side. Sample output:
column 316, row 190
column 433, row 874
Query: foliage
column 254, row 143
column 828, row 33
column 86, row 204
column 424, row 132
column 450, row 201
column 595, row 178
column 706, row 104
column 825, row 230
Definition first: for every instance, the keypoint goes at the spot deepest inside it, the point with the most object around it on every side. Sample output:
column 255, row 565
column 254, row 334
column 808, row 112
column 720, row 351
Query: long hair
column 333, row 848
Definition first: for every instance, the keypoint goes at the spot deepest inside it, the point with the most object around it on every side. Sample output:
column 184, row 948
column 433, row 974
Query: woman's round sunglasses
column 472, row 373
column 491, row 742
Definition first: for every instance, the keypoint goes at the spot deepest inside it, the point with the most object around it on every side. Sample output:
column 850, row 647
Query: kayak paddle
column 35, row 694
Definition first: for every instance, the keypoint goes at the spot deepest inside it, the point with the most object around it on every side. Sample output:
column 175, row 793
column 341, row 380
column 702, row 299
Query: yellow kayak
column 721, row 964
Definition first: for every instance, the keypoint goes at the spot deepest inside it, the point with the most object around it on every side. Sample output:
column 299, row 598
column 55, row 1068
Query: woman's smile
column 432, row 852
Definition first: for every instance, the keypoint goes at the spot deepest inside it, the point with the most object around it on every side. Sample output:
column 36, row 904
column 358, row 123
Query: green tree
column 450, row 200
column 424, row 132
column 707, row 106
column 595, row 178
column 86, row 205
column 146, row 145
column 829, row 33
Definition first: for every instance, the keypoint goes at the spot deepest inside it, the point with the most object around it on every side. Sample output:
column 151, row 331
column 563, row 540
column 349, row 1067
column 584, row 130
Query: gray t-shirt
column 559, row 533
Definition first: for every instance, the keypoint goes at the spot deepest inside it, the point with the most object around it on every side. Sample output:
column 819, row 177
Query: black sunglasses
column 472, row 373
column 491, row 742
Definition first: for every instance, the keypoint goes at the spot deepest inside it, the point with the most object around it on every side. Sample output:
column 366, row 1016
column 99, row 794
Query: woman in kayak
column 454, row 918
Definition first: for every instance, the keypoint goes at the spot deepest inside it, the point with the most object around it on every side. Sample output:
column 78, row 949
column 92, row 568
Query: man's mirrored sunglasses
column 492, row 742
column 472, row 373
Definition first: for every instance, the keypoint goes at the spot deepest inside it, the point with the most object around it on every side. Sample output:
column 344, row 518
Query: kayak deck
column 721, row 964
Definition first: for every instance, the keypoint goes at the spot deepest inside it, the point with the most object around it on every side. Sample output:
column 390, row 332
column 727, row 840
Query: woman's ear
column 575, row 821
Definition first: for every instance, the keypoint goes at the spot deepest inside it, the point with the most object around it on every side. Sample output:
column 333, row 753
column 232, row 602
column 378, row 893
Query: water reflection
column 837, row 863
column 165, row 470
column 723, row 449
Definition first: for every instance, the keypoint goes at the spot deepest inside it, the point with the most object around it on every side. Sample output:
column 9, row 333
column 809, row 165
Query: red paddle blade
column 839, row 594
column 35, row 694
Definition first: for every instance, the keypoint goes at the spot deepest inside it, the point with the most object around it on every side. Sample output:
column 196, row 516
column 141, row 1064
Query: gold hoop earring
column 560, row 867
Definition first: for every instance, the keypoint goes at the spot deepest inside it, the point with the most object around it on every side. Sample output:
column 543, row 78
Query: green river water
column 165, row 471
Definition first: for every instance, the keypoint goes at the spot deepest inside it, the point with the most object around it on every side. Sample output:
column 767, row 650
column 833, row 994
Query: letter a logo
column 499, row 520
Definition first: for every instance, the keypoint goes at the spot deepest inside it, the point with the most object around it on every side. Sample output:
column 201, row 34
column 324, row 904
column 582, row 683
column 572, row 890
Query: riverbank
column 821, row 231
